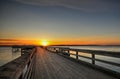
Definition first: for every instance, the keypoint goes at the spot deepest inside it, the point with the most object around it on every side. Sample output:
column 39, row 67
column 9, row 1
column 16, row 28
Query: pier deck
column 52, row 66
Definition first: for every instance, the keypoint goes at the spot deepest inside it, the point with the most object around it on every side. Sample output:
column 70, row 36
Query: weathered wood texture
column 78, row 54
column 15, row 68
column 52, row 66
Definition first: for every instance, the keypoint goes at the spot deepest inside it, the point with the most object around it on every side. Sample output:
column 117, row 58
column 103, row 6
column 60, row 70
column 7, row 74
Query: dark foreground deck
column 52, row 66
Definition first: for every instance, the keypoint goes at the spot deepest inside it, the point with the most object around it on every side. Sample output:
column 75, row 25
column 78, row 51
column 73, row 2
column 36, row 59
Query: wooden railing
column 20, row 68
column 79, row 54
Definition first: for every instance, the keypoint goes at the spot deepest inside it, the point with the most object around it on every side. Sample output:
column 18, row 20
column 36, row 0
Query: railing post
column 59, row 50
column 56, row 50
column 76, row 55
column 93, row 58
column 68, row 52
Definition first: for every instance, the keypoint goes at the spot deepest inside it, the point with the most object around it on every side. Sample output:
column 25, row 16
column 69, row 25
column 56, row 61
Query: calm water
column 6, row 55
column 105, row 48
column 106, row 58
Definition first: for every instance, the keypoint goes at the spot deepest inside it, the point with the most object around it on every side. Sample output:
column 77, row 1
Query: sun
column 44, row 43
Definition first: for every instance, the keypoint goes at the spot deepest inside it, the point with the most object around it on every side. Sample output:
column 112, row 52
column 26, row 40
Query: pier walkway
column 48, row 65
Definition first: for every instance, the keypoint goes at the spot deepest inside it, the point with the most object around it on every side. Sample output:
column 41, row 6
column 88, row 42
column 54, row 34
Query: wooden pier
column 43, row 64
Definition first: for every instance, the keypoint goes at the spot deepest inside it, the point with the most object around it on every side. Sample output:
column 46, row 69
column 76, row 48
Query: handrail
column 19, row 68
column 93, row 53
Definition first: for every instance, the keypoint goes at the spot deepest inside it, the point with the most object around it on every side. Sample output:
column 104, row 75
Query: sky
column 60, row 22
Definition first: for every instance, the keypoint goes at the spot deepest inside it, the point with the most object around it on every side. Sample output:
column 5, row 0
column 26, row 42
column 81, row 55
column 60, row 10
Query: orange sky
column 60, row 42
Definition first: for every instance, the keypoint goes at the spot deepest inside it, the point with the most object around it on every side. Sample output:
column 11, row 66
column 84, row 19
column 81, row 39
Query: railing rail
column 19, row 68
column 93, row 54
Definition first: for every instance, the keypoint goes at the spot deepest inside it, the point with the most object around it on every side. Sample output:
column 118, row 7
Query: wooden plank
column 99, row 52
column 52, row 66
column 14, row 69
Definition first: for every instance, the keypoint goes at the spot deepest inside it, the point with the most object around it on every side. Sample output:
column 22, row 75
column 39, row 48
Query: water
column 106, row 58
column 6, row 55
column 104, row 48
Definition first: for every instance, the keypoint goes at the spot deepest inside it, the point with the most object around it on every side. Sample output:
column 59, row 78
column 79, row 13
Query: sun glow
column 44, row 43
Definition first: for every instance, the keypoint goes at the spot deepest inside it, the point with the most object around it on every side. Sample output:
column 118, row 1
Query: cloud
column 8, row 40
column 17, row 42
column 85, row 5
